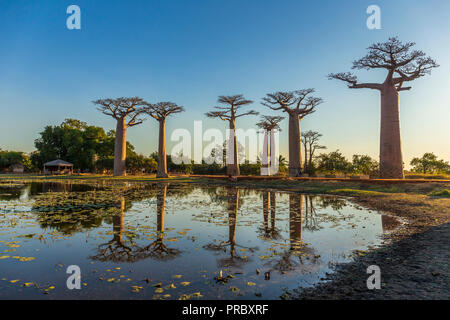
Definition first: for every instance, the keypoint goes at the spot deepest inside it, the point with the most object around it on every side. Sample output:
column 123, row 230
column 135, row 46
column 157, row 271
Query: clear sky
column 191, row 51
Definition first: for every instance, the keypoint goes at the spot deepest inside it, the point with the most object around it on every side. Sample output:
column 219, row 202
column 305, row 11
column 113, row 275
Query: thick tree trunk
column 232, row 153
column 274, row 153
column 265, row 163
column 120, row 148
column 391, row 162
column 305, row 164
column 162, row 159
column 295, row 151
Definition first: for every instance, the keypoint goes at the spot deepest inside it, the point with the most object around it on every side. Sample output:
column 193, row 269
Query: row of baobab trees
column 402, row 63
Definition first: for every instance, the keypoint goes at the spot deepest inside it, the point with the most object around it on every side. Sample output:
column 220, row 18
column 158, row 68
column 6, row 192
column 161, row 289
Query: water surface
column 173, row 241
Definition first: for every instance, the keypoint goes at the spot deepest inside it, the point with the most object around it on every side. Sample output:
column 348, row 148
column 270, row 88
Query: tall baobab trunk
column 232, row 153
column 274, row 152
column 305, row 164
column 265, row 162
column 120, row 148
column 391, row 163
column 162, row 159
column 295, row 152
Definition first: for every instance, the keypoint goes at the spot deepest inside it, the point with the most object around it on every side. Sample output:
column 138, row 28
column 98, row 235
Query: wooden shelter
column 58, row 167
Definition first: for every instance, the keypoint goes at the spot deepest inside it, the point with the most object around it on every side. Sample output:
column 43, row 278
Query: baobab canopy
column 402, row 65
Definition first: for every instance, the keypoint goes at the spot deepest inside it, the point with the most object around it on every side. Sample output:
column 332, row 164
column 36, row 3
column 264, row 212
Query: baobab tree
column 297, row 104
column 126, row 111
column 403, row 65
column 269, row 124
column 229, row 112
column 310, row 145
column 160, row 111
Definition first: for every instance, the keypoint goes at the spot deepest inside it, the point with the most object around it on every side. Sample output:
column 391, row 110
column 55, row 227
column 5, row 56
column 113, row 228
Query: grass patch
column 442, row 176
column 441, row 193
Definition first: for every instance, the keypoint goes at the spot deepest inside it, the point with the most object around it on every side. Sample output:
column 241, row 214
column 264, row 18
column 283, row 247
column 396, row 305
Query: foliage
column 364, row 164
column 441, row 193
column 429, row 163
column 333, row 162
column 253, row 169
column 138, row 163
column 8, row 158
column 77, row 142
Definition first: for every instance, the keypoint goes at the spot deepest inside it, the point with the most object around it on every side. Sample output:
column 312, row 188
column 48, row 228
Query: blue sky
column 189, row 52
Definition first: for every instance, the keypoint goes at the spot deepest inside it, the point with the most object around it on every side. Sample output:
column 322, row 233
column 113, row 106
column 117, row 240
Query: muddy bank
column 414, row 261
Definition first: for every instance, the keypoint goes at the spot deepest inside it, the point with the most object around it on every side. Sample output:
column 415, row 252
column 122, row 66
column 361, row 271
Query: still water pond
column 173, row 241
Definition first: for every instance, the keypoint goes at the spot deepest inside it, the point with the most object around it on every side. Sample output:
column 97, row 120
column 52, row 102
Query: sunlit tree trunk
column 162, row 159
column 305, row 164
column 232, row 153
column 120, row 148
column 391, row 162
column 265, row 162
column 274, row 153
column 295, row 152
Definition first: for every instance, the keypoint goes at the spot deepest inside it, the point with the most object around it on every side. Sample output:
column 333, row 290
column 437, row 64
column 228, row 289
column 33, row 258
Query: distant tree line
column 91, row 149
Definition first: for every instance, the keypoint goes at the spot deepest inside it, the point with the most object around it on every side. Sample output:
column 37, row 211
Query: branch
column 251, row 112
column 218, row 114
column 375, row 86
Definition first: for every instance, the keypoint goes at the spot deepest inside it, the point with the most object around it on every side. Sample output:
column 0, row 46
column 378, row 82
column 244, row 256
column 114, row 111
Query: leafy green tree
column 8, row 158
column 364, row 164
column 429, row 163
column 87, row 147
column 138, row 163
column 333, row 162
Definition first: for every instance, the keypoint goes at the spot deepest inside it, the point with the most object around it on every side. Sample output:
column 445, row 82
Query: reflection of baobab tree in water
column 118, row 249
column 311, row 223
column 232, row 208
column 269, row 230
column 292, row 258
column 158, row 249
column 121, row 250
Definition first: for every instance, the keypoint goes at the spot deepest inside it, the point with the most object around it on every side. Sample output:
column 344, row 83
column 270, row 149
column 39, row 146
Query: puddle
column 173, row 241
